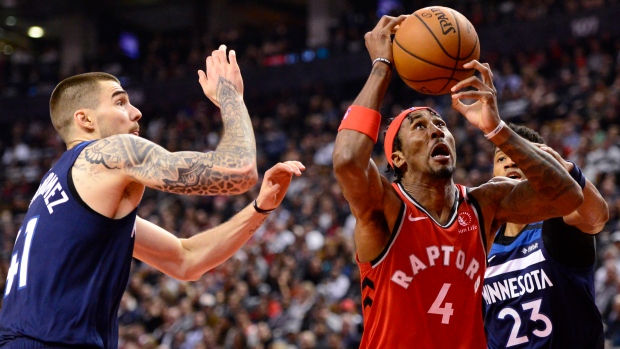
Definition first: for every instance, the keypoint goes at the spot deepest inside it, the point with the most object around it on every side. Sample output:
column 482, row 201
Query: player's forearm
column 211, row 248
column 352, row 149
column 593, row 214
column 544, row 173
column 237, row 144
column 376, row 85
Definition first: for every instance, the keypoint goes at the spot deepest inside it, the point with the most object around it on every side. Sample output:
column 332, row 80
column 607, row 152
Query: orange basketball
column 430, row 48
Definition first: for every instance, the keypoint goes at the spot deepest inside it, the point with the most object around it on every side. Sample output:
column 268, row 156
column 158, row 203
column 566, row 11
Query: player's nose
column 136, row 114
column 510, row 164
column 436, row 131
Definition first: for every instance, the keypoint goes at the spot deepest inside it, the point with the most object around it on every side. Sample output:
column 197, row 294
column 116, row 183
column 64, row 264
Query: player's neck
column 513, row 229
column 438, row 200
column 77, row 140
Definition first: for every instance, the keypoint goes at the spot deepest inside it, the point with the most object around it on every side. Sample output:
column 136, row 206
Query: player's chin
column 443, row 172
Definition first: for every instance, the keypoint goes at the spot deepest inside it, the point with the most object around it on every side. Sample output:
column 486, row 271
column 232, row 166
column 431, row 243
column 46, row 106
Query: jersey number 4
column 514, row 338
column 445, row 311
column 21, row 266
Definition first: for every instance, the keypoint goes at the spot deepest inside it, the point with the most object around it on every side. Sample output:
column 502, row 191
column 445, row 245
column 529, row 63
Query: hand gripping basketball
column 378, row 41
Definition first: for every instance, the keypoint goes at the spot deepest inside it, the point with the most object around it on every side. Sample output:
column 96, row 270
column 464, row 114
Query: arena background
column 295, row 284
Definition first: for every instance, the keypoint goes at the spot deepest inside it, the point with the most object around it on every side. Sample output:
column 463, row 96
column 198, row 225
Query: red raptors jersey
column 424, row 290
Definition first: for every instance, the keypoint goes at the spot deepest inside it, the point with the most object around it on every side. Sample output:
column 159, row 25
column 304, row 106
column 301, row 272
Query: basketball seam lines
column 458, row 51
column 433, row 79
column 431, row 63
column 437, row 40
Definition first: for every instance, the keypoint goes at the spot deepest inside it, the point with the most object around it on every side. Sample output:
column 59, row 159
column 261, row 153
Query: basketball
column 430, row 48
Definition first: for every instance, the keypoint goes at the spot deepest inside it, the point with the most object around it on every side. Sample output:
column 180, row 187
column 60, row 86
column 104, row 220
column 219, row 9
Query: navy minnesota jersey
column 534, row 298
column 69, row 269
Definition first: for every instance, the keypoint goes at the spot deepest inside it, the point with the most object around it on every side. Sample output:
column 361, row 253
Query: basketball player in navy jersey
column 539, row 285
column 422, row 240
column 72, row 256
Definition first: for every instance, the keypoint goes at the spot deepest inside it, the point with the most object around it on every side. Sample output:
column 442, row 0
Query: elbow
column 188, row 277
column 251, row 174
column 187, row 274
column 601, row 218
column 248, row 177
column 571, row 200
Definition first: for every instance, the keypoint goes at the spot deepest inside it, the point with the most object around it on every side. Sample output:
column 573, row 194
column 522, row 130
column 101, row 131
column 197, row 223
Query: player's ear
column 398, row 158
column 84, row 119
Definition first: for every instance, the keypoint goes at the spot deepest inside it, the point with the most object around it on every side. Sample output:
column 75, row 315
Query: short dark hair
column 73, row 93
column 527, row 133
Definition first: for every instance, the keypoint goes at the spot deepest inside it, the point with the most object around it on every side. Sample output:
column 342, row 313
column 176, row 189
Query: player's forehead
column 426, row 114
column 109, row 89
column 498, row 152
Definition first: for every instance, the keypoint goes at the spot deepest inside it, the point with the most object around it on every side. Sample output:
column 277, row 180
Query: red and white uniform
column 424, row 290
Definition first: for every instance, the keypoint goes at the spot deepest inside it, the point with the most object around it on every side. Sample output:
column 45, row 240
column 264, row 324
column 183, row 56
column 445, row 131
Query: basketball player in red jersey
column 422, row 240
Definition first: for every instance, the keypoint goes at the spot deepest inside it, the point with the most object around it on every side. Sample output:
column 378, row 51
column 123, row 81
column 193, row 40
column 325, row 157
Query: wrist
column 577, row 175
column 385, row 61
column 496, row 130
column 260, row 210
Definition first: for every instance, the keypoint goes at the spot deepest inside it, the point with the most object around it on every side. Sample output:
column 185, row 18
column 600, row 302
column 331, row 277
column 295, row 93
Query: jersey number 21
column 21, row 266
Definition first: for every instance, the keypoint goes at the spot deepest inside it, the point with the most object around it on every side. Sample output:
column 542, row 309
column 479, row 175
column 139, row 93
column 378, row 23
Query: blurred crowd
column 295, row 284
column 35, row 70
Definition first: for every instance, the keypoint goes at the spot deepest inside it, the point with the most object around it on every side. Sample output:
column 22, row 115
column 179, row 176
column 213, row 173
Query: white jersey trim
column 455, row 208
column 515, row 264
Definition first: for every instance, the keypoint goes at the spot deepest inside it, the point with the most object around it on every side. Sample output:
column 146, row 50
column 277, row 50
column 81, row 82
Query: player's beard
column 443, row 173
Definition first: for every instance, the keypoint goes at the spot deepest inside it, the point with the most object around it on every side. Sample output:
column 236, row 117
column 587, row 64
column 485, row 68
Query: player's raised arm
column 549, row 190
column 356, row 173
column 230, row 169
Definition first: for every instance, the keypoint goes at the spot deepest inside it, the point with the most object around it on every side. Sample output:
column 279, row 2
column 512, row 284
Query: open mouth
column 440, row 151
column 513, row 175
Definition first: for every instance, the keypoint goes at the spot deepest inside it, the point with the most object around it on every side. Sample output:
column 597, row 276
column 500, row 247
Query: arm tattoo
column 379, row 72
column 237, row 147
column 258, row 225
column 192, row 173
column 544, row 173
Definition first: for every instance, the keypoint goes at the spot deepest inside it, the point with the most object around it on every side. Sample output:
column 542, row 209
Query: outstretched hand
column 379, row 41
column 483, row 113
column 276, row 182
column 220, row 71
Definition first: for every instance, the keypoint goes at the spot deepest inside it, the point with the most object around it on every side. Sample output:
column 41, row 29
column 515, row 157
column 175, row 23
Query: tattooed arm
column 184, row 172
column 188, row 259
column 549, row 190
column 223, row 85
column 230, row 169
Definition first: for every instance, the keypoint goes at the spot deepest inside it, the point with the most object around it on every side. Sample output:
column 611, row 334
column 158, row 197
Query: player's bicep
column 363, row 189
column 157, row 247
